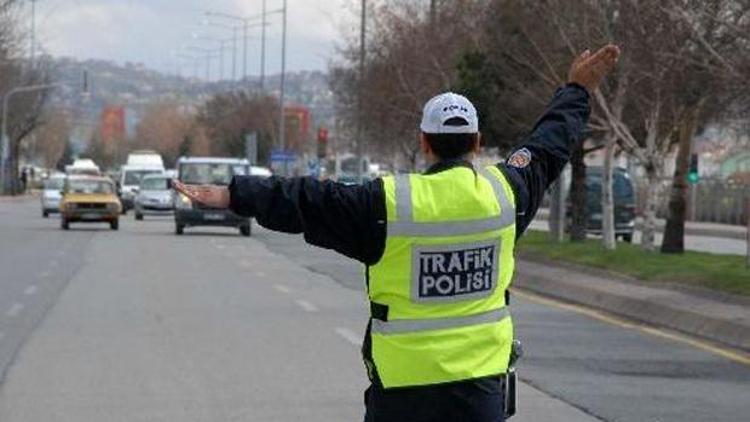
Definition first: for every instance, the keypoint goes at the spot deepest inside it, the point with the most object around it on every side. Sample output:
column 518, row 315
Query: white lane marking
column 307, row 306
column 220, row 246
column 31, row 290
column 14, row 310
column 44, row 274
column 260, row 273
column 281, row 288
column 246, row 263
column 349, row 336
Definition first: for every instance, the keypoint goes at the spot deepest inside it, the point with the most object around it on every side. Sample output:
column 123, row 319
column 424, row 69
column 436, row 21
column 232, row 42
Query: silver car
column 153, row 197
column 51, row 195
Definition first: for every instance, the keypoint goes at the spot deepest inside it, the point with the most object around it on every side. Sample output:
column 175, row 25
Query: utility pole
column 33, row 34
column 263, row 49
column 282, row 119
column 234, row 53
column 433, row 13
column 360, row 92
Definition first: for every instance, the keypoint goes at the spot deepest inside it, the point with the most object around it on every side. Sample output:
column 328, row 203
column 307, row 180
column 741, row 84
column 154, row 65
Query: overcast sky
column 153, row 31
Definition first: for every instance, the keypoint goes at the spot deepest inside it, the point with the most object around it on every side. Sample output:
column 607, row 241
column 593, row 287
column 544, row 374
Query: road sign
column 283, row 156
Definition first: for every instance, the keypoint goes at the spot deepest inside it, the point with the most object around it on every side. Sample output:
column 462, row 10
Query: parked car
column 89, row 199
column 153, row 197
column 207, row 170
column 624, row 198
column 52, row 194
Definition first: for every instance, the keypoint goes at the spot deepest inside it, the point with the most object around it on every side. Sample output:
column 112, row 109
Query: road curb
column 661, row 313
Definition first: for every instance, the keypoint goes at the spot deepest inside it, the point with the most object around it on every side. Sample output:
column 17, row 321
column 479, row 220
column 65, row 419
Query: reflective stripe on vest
column 416, row 325
column 406, row 226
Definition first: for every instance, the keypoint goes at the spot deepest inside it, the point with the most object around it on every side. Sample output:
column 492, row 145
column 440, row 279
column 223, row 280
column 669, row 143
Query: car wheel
column 64, row 224
column 139, row 217
column 628, row 237
column 246, row 230
column 45, row 214
column 114, row 224
column 179, row 229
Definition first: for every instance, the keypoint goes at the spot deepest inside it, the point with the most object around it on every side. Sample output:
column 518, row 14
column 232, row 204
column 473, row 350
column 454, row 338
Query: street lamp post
column 360, row 91
column 263, row 49
column 245, row 24
column 209, row 55
column 282, row 119
column 5, row 177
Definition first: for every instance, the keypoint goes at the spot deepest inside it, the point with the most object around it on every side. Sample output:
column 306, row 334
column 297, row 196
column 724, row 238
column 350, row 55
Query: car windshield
column 210, row 173
column 155, row 183
column 90, row 186
column 56, row 183
column 133, row 177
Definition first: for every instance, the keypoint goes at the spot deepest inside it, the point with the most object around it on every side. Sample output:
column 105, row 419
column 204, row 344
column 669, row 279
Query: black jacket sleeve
column 347, row 219
column 539, row 160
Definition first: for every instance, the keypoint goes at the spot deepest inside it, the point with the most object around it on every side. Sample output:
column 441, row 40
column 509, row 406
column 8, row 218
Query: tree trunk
column 15, row 183
column 674, row 232
column 649, row 211
column 557, row 212
column 608, row 203
column 579, row 219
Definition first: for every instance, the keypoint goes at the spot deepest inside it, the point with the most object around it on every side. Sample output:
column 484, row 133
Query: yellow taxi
column 89, row 199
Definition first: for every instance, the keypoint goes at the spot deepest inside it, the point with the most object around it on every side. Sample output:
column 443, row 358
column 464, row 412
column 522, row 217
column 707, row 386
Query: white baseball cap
column 445, row 107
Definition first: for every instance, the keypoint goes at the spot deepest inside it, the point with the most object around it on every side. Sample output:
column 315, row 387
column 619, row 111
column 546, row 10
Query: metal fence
column 710, row 201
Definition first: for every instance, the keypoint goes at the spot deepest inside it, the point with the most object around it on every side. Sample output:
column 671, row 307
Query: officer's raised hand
column 209, row 195
column 588, row 70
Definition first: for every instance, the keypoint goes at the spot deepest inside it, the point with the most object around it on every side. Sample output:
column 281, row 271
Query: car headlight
column 183, row 202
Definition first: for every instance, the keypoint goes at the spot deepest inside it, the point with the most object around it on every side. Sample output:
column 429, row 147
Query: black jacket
column 352, row 219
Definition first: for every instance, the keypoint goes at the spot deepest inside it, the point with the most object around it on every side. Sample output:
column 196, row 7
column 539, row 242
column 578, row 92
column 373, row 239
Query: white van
column 83, row 166
column 139, row 164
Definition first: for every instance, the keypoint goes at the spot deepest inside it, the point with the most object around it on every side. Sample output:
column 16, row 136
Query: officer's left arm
column 538, row 162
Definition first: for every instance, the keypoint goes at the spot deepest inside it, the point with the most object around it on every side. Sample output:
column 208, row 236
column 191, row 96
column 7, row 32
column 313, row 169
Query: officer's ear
column 477, row 143
column 424, row 145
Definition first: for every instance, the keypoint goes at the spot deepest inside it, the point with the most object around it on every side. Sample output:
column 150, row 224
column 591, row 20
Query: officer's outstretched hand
column 209, row 195
column 588, row 70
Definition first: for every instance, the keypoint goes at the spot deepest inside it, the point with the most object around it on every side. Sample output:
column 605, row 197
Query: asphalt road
column 142, row 325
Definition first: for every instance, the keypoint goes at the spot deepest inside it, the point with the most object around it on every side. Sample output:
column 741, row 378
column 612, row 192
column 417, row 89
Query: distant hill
column 133, row 86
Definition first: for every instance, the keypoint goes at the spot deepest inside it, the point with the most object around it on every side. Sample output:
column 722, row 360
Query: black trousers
column 467, row 401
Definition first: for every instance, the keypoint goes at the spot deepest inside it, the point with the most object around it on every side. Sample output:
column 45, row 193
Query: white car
column 51, row 195
column 153, row 197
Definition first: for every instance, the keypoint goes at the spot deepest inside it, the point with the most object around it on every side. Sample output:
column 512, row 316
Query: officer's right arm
column 538, row 162
column 347, row 219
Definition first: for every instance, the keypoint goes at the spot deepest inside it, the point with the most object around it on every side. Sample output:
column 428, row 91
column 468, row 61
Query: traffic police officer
column 438, row 248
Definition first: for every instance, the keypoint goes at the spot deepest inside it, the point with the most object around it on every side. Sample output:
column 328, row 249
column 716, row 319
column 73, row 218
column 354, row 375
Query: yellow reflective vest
column 447, row 264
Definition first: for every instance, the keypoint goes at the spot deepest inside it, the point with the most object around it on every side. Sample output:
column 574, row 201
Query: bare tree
column 407, row 63
column 24, row 110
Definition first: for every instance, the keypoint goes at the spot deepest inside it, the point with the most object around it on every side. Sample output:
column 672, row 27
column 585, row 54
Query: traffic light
column 322, row 142
column 693, row 176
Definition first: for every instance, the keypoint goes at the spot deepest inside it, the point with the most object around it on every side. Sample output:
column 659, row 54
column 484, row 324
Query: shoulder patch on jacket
column 520, row 158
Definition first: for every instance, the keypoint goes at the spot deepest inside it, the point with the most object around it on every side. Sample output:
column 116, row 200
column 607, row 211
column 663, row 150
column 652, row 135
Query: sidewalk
column 693, row 228
column 720, row 318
